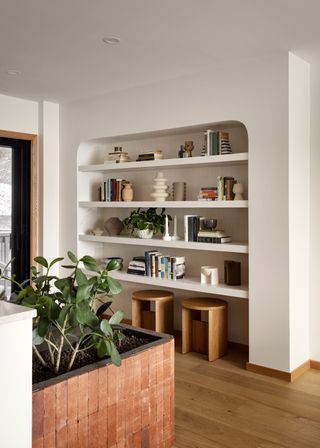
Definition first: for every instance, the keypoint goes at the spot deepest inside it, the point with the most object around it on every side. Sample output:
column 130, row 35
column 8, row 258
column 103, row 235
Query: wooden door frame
column 34, row 187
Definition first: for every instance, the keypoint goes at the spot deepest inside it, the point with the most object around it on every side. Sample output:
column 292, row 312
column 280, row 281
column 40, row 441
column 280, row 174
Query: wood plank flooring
column 221, row 405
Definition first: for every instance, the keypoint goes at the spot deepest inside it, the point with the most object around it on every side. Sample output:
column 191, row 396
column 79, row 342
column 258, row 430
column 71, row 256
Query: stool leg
column 186, row 330
column 164, row 316
column 136, row 309
column 217, row 333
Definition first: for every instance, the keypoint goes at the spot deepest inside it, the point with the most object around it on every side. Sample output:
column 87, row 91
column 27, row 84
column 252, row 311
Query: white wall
column 315, row 214
column 49, row 114
column 18, row 115
column 299, row 208
column 256, row 94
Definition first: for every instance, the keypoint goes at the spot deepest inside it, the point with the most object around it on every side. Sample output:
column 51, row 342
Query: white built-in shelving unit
column 197, row 171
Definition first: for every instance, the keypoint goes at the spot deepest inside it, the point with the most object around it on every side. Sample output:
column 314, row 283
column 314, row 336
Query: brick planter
column 101, row 405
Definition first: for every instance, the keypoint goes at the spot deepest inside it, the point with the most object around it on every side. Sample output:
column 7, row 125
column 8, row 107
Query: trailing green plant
column 146, row 219
column 65, row 310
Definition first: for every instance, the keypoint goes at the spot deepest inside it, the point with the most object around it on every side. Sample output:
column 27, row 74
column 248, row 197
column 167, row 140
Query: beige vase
column 127, row 193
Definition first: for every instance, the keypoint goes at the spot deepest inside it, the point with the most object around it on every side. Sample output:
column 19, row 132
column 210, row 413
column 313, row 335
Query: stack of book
column 162, row 266
column 150, row 155
column 117, row 156
column 225, row 188
column 191, row 227
column 208, row 194
column 137, row 266
column 111, row 190
column 217, row 143
column 213, row 236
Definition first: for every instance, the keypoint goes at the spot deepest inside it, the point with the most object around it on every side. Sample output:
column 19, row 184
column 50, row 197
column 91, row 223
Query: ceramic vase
column 209, row 275
column 160, row 188
column 127, row 192
column 113, row 226
column 144, row 234
column 238, row 190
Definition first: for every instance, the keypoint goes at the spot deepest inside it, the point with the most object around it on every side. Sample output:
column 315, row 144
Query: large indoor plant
column 146, row 223
column 66, row 317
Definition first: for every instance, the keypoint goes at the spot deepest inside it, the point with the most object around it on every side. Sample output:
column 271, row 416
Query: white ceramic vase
column 209, row 275
column 144, row 234
column 160, row 188
column 238, row 191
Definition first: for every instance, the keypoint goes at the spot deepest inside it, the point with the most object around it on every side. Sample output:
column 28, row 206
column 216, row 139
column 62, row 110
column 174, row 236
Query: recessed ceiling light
column 14, row 72
column 111, row 40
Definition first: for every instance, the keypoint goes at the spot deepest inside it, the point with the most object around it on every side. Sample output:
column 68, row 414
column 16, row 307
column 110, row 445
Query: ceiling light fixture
column 14, row 72
column 111, row 40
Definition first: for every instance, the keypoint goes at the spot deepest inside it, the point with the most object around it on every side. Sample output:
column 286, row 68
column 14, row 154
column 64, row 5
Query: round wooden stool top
column 202, row 304
column 152, row 295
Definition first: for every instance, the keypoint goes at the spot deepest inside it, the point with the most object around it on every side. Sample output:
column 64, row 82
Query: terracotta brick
column 137, row 412
column 160, row 432
column 129, row 371
column 137, row 373
column 93, row 386
column 112, row 425
column 37, row 415
column 144, row 370
column 49, row 440
column 129, row 441
column 166, row 409
column 152, row 368
column 103, row 427
column 103, row 387
column 49, row 404
column 166, row 359
column 121, row 422
column 112, row 384
column 37, row 443
column 153, row 403
column 61, row 405
column 153, row 434
column 137, row 440
column 145, row 408
column 83, row 432
column 145, row 440
column 93, row 430
column 62, row 438
column 129, row 406
column 73, row 394
column 73, row 435
column 122, row 387
column 159, row 354
column 83, row 399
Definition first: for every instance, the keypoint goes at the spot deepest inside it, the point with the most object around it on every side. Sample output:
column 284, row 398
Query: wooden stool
column 161, row 319
column 202, row 337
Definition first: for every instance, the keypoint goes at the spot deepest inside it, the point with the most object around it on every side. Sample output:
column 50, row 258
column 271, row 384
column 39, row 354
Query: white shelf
column 235, row 247
column 165, row 204
column 187, row 284
column 191, row 162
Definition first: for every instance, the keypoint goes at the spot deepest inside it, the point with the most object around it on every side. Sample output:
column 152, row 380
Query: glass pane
column 5, row 215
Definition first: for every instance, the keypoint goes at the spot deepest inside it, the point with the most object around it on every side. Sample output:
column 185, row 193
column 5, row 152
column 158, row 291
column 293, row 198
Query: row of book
column 225, row 188
column 111, row 190
column 217, row 143
column 155, row 264
column 195, row 231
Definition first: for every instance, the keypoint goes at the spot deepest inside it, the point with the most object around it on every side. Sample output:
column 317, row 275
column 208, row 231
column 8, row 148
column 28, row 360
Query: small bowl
column 209, row 224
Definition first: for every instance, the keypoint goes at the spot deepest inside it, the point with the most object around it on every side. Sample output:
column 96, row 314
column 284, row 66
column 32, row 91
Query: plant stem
column 73, row 357
column 39, row 356
column 57, row 367
column 49, row 343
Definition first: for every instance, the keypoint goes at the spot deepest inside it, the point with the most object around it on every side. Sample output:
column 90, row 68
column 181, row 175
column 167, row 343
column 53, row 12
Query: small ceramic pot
column 98, row 231
column 145, row 234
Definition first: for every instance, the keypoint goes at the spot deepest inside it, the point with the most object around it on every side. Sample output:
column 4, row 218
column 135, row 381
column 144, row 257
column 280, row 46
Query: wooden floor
column 221, row 405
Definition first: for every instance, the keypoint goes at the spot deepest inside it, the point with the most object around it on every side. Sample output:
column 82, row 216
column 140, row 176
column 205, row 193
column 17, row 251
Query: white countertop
column 10, row 312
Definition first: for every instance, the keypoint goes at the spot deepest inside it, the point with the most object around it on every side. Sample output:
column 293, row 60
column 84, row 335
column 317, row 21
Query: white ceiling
column 57, row 44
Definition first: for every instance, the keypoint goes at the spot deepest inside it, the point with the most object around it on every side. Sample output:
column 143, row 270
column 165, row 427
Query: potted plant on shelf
column 78, row 359
column 146, row 223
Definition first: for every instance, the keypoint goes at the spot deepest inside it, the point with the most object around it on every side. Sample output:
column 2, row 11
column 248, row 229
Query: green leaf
column 115, row 356
column 81, row 278
column 114, row 285
column 89, row 260
column 112, row 265
column 72, row 257
column 56, row 260
column 42, row 261
column 116, row 318
column 91, row 267
column 106, row 328
column 43, row 326
column 82, row 312
column 83, row 292
column 63, row 314
column 73, row 321
column 102, row 348
column 36, row 338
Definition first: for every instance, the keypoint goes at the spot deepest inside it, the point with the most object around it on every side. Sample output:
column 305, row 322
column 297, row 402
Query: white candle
column 167, row 226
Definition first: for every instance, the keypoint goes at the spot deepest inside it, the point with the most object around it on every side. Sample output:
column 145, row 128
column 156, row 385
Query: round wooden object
column 152, row 295
column 202, row 304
